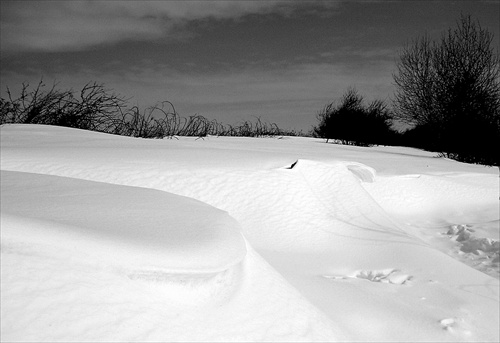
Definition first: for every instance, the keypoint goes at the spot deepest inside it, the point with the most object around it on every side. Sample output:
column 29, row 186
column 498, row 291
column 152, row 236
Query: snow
column 129, row 225
column 110, row 238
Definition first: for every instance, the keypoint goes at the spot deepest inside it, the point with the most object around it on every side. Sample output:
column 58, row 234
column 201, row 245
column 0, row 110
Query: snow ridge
column 108, row 238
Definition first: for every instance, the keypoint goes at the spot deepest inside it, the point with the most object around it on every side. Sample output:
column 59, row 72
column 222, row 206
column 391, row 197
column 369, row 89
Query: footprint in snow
column 389, row 275
column 454, row 325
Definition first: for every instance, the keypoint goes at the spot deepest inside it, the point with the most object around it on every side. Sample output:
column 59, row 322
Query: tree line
column 447, row 92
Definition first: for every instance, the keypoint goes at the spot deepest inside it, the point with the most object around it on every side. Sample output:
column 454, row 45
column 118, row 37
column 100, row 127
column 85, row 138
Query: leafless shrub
column 99, row 109
column 450, row 90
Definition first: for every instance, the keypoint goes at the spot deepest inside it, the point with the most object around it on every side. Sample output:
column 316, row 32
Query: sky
column 281, row 61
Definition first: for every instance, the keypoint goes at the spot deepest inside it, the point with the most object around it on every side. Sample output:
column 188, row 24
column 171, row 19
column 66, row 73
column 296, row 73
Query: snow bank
column 446, row 196
column 131, row 227
column 89, row 261
column 342, row 243
column 483, row 253
column 463, row 206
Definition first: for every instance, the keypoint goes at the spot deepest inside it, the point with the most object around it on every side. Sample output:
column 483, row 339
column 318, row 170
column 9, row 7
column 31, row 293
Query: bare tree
column 450, row 87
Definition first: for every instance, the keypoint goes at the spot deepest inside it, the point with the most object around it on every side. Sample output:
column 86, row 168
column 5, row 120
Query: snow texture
column 109, row 238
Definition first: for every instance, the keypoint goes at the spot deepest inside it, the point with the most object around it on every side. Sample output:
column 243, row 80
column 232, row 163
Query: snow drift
column 129, row 226
column 115, row 238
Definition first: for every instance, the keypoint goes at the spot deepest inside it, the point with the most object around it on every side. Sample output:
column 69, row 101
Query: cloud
column 59, row 26
column 77, row 25
column 362, row 53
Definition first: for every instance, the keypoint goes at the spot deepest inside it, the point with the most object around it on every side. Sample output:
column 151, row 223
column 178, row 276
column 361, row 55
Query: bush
column 350, row 122
column 451, row 90
column 94, row 108
column 99, row 109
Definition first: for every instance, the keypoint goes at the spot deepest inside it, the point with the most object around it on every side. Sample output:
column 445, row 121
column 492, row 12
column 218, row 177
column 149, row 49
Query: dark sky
column 227, row 60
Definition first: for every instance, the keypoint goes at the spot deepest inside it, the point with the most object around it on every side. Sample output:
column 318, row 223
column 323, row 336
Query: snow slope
column 88, row 261
column 114, row 238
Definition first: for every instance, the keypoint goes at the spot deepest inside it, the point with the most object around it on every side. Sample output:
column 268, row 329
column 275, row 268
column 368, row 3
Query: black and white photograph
column 249, row 171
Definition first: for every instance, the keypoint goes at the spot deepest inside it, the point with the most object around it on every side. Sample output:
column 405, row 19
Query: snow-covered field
column 110, row 238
